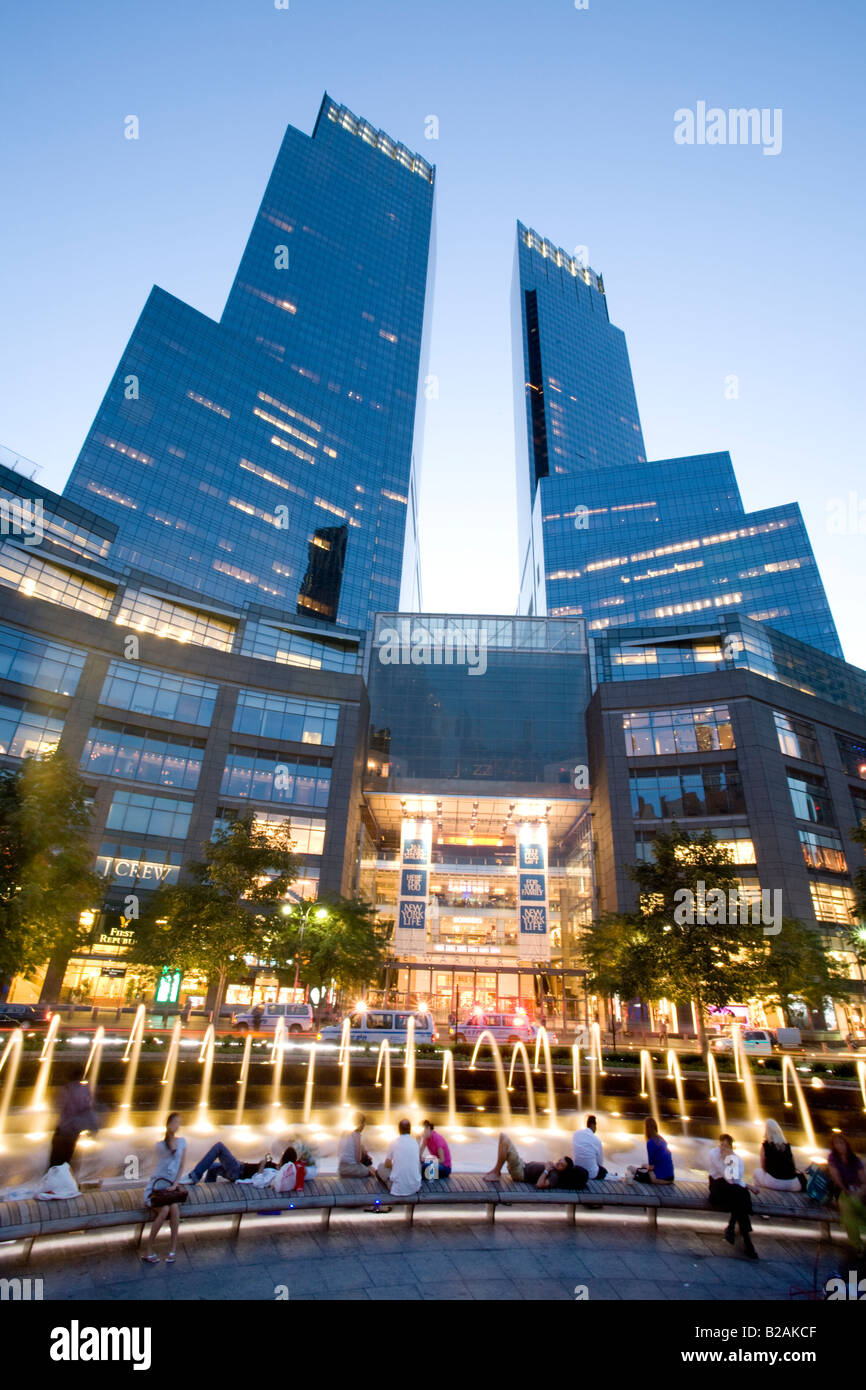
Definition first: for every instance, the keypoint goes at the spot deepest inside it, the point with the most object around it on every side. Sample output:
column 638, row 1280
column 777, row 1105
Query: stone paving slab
column 378, row 1258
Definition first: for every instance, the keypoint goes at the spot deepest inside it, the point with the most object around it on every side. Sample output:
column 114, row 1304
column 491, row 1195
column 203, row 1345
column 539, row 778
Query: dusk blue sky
column 717, row 261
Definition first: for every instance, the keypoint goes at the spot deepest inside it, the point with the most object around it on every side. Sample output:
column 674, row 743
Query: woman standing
column 169, row 1160
column 777, row 1170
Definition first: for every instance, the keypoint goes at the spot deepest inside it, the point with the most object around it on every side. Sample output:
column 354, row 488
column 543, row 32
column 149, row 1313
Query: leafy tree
column 46, row 878
column 227, row 908
column 656, row 952
column 336, row 939
column 798, row 965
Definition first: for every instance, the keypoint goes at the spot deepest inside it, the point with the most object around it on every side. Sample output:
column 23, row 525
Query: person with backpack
column 778, row 1171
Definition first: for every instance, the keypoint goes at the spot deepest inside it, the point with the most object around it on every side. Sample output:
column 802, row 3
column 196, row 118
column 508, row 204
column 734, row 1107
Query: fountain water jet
column 805, row 1118
column 242, row 1081
column 861, row 1072
column 94, row 1057
column 344, row 1061
column 45, row 1059
column 205, row 1057
column 278, row 1054
column 675, row 1074
column 715, row 1089
column 596, row 1047
column 131, row 1054
column 168, row 1073
column 309, row 1084
column 542, row 1040
column 744, row 1074
column 385, row 1051
column 504, row 1106
column 449, row 1085
column 12, row 1058
column 648, row 1079
column 519, row 1048
column 576, row 1082
column 409, row 1062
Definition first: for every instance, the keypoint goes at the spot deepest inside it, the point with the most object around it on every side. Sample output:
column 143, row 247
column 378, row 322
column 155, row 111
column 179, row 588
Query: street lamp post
column 320, row 914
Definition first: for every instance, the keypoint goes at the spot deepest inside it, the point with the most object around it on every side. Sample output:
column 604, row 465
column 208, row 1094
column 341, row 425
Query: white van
column 373, row 1025
column 755, row 1040
column 298, row 1018
column 505, row 1028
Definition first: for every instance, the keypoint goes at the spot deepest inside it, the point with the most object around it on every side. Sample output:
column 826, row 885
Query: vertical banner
column 416, row 841
column 533, row 942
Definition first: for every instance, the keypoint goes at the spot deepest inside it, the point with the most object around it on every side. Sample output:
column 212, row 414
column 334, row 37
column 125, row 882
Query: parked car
column 375, row 1024
column 25, row 1015
column 298, row 1018
column 507, row 1028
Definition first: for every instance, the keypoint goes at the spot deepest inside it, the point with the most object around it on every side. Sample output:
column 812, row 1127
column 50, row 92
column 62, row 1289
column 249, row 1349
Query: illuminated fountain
column 344, row 1061
column 861, row 1073
column 788, row 1069
column 9, row 1063
column 715, row 1090
column 385, row 1053
column 576, row 1079
column 94, row 1057
column 131, row 1055
column 244, row 1078
column 278, row 1053
column 744, row 1075
column 449, row 1084
column 502, row 1089
column 675, row 1074
column 45, row 1058
column 205, row 1058
column 543, row 1041
column 519, row 1049
column 409, row 1063
column 648, row 1080
column 309, row 1084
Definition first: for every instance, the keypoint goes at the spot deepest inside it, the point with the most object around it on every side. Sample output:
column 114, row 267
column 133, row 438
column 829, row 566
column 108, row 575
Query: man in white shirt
column 730, row 1192
column 401, row 1170
column 587, row 1150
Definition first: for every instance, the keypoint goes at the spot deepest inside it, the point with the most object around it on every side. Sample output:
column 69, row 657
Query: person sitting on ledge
column 437, row 1148
column 587, row 1151
column 778, row 1171
column 561, row 1172
column 659, row 1165
column 401, row 1170
column 353, row 1161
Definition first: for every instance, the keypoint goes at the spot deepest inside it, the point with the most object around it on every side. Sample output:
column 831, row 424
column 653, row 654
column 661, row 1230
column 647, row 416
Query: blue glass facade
column 604, row 534
column 269, row 457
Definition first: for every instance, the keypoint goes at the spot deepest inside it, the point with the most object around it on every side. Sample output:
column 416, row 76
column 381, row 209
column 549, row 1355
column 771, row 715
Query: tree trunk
column 698, row 1010
column 220, row 994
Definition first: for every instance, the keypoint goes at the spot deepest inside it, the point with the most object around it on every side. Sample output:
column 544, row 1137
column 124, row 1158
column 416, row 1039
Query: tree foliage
column 650, row 954
column 335, row 939
column 46, row 879
column 226, row 908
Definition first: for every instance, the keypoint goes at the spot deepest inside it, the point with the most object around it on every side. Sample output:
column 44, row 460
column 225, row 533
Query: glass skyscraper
column 606, row 535
column 269, row 457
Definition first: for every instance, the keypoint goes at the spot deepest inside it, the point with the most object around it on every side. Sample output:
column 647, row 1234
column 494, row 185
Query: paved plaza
column 441, row 1257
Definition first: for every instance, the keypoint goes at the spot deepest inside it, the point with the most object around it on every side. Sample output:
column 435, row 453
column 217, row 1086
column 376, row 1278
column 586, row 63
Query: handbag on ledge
column 174, row 1194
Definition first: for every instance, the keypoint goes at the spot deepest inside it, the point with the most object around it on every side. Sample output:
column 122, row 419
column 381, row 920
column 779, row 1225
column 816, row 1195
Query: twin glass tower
column 272, row 457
